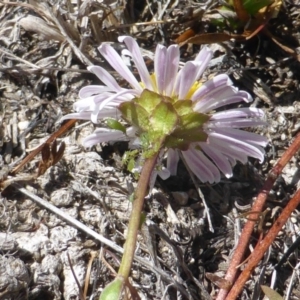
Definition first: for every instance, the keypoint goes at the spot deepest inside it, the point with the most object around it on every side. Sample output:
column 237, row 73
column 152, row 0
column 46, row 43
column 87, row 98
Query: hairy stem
column 135, row 217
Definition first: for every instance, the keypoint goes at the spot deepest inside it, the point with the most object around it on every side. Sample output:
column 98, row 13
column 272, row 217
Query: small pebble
column 294, row 220
column 23, row 125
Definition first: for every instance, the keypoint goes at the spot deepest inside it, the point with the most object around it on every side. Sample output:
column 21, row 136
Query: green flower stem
column 135, row 217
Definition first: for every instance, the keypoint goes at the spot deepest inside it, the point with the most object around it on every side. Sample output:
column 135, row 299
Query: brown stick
column 263, row 246
column 257, row 206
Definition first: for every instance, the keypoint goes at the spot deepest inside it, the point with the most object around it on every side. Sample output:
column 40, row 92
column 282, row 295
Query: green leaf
column 270, row 293
column 113, row 290
column 116, row 125
column 135, row 114
column 163, row 118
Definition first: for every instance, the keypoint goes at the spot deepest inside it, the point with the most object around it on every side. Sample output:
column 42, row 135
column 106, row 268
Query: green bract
column 114, row 124
column 163, row 121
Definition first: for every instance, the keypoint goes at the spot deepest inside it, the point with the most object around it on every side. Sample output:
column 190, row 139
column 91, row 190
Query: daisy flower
column 225, row 142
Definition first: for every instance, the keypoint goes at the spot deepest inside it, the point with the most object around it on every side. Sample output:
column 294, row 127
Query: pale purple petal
column 93, row 102
column 231, row 160
column 166, row 63
column 105, row 77
column 92, row 90
column 164, row 173
column 218, row 158
column 138, row 60
column 103, row 135
column 95, row 113
column 248, row 137
column 226, row 96
column 191, row 72
column 131, row 131
column 240, row 146
column 203, row 57
column 186, row 78
column 172, row 161
column 217, row 82
column 114, row 59
column 226, row 148
column 85, row 115
column 223, row 91
column 84, row 104
column 201, row 166
column 160, row 67
column 246, row 112
column 116, row 97
column 172, row 65
column 135, row 143
column 235, row 123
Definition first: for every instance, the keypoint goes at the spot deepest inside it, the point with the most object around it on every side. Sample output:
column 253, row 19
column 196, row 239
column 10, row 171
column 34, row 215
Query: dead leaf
column 219, row 281
column 50, row 156
column 270, row 293
column 39, row 26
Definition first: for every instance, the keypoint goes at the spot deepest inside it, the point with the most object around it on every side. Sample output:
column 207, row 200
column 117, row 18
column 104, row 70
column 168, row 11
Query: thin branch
column 263, row 246
column 257, row 207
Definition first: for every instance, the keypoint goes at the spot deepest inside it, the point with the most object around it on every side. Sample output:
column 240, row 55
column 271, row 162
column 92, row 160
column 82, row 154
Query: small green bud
column 113, row 290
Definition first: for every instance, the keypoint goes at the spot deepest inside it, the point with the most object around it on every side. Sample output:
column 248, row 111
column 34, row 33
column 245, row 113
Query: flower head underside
column 225, row 141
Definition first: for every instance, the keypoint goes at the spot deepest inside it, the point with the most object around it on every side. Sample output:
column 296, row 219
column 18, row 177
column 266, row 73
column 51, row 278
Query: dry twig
column 257, row 207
